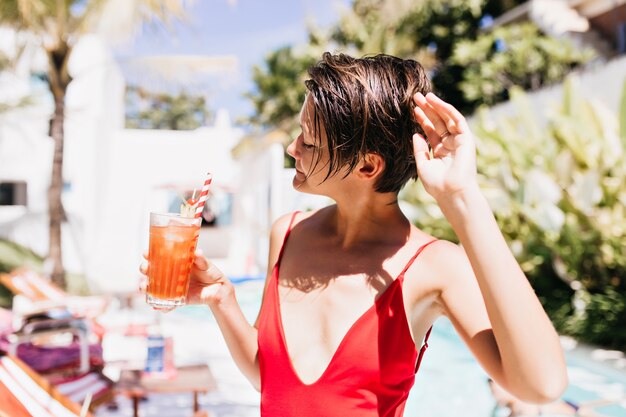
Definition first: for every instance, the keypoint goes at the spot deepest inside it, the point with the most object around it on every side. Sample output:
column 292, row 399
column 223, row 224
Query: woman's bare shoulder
column 439, row 265
column 281, row 224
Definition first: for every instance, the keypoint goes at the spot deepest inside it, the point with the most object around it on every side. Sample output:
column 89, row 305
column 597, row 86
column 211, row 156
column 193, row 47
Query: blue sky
column 247, row 29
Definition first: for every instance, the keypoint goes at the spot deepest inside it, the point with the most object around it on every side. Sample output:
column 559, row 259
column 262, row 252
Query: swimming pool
column 451, row 383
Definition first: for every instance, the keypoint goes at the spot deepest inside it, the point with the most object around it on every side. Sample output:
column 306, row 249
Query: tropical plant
column 373, row 27
column 149, row 110
column 516, row 55
column 12, row 256
column 57, row 26
column 279, row 88
column 558, row 193
column 425, row 31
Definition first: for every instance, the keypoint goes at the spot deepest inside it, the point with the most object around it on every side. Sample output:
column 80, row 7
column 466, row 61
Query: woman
column 353, row 288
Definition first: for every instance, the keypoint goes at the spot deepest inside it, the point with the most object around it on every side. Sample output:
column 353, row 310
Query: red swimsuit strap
column 282, row 248
column 417, row 253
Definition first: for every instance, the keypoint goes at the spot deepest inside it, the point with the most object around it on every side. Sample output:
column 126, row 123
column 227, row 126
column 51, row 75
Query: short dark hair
column 366, row 105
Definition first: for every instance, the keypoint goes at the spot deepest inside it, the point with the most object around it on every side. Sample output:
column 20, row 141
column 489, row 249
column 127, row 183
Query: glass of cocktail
column 171, row 253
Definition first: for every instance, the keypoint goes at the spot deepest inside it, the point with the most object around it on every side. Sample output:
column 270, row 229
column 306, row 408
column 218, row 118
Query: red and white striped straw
column 203, row 195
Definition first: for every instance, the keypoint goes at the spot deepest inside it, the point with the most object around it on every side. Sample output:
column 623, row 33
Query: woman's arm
column 488, row 299
column 494, row 308
column 240, row 337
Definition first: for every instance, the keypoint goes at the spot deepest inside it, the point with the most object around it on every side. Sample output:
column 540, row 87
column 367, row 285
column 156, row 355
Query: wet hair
column 365, row 105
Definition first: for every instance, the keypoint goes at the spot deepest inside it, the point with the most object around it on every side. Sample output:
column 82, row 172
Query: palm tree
column 58, row 25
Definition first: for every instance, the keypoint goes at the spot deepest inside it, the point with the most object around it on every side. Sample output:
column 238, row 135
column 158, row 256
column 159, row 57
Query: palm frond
column 63, row 21
column 118, row 19
column 45, row 18
column 9, row 11
column 21, row 103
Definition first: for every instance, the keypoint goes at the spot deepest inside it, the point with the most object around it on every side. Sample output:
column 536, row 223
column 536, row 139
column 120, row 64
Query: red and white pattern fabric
column 77, row 388
column 24, row 396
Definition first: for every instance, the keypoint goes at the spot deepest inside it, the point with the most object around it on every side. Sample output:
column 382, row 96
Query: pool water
column 451, row 383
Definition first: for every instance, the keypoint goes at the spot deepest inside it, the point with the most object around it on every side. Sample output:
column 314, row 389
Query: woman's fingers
column 420, row 149
column 427, row 126
column 434, row 125
column 143, row 269
column 454, row 121
column 143, row 284
column 201, row 262
column 434, row 137
column 433, row 115
column 206, row 272
column 450, row 142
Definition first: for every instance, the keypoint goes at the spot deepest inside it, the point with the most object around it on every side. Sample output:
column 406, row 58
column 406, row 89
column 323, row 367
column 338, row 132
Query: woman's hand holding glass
column 452, row 166
column 207, row 284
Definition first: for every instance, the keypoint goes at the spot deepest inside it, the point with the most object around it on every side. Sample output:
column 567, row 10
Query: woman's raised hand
column 452, row 166
column 207, row 284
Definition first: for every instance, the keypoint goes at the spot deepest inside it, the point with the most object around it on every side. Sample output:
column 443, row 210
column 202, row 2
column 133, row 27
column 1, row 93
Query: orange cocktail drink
column 173, row 240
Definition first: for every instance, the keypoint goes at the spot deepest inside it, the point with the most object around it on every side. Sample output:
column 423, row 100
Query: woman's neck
column 366, row 218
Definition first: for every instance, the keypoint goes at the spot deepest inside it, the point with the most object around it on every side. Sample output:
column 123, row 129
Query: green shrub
column 13, row 255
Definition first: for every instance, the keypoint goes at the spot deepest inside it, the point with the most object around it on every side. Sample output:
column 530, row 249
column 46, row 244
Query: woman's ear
column 371, row 166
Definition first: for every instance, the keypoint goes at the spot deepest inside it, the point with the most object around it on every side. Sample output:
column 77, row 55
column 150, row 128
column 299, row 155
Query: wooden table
column 196, row 379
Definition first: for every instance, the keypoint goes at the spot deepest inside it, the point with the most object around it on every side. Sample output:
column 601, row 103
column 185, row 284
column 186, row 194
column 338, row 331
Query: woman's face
column 310, row 151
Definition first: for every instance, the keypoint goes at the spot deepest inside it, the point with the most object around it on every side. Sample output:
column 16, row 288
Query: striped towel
column 77, row 388
column 24, row 394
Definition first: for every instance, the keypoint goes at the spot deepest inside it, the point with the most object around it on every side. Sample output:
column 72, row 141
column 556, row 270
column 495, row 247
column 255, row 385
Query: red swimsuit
column 370, row 374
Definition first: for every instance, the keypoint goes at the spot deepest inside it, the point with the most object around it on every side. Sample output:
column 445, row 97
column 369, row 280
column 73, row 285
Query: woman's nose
column 291, row 149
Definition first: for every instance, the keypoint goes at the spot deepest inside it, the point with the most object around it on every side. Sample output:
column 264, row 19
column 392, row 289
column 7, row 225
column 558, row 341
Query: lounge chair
column 23, row 393
column 43, row 294
column 36, row 295
column 32, row 323
column 68, row 367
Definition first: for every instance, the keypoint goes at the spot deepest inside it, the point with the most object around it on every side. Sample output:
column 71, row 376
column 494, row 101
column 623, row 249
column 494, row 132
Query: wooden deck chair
column 23, row 393
column 43, row 294
column 37, row 298
column 36, row 294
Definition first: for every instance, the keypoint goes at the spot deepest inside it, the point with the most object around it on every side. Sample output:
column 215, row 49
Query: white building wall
column 265, row 193
column 25, row 148
column 113, row 175
column 142, row 165
column 95, row 112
